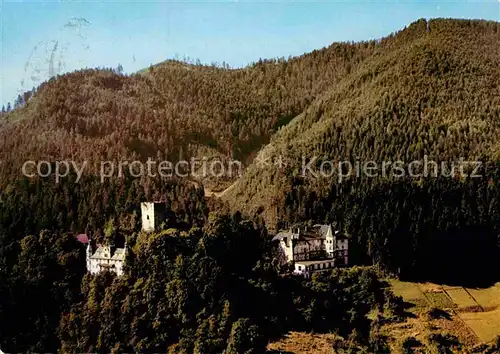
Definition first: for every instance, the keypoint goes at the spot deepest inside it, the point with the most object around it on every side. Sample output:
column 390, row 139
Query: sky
column 44, row 38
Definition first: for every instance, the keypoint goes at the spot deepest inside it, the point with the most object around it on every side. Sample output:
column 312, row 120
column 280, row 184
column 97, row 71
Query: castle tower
column 153, row 215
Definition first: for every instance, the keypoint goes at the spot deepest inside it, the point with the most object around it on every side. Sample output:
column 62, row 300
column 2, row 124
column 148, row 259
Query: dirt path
column 210, row 193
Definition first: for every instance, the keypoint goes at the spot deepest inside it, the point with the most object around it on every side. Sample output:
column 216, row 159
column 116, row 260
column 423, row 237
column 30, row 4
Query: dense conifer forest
column 430, row 94
column 208, row 282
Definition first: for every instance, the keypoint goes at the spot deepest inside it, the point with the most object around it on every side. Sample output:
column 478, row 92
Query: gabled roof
column 340, row 236
column 322, row 229
column 99, row 253
column 118, row 255
column 283, row 235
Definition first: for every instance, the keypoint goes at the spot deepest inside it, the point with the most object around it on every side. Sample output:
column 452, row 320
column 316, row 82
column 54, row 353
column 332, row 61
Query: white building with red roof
column 111, row 258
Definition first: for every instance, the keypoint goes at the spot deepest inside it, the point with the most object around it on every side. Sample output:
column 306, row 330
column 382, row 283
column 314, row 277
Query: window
column 300, row 267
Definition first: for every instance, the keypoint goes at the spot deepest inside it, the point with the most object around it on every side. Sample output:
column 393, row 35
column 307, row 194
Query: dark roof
column 317, row 231
column 322, row 229
column 340, row 236
column 283, row 235
column 304, row 235
column 308, row 236
column 83, row 238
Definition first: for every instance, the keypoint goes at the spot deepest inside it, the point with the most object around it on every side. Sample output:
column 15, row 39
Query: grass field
column 439, row 299
column 486, row 321
column 474, row 310
column 486, row 325
column 409, row 291
column 488, row 298
column 462, row 299
column 471, row 315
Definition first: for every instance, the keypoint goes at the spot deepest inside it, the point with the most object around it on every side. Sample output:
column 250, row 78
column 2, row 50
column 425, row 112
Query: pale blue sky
column 137, row 34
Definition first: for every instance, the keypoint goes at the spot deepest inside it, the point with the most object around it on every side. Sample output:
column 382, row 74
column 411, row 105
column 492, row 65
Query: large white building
column 113, row 259
column 105, row 258
column 320, row 244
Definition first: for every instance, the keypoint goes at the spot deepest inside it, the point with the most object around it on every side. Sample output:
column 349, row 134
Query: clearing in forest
column 476, row 310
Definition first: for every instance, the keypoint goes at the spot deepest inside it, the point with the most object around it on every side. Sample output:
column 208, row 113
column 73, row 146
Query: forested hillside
column 171, row 111
column 203, row 284
column 429, row 89
column 208, row 283
column 433, row 92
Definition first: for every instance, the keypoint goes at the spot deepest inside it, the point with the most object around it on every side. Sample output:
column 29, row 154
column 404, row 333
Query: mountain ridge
column 422, row 90
column 168, row 112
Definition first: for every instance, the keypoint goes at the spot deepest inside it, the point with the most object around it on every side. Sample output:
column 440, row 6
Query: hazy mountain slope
column 425, row 90
column 171, row 111
column 434, row 90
